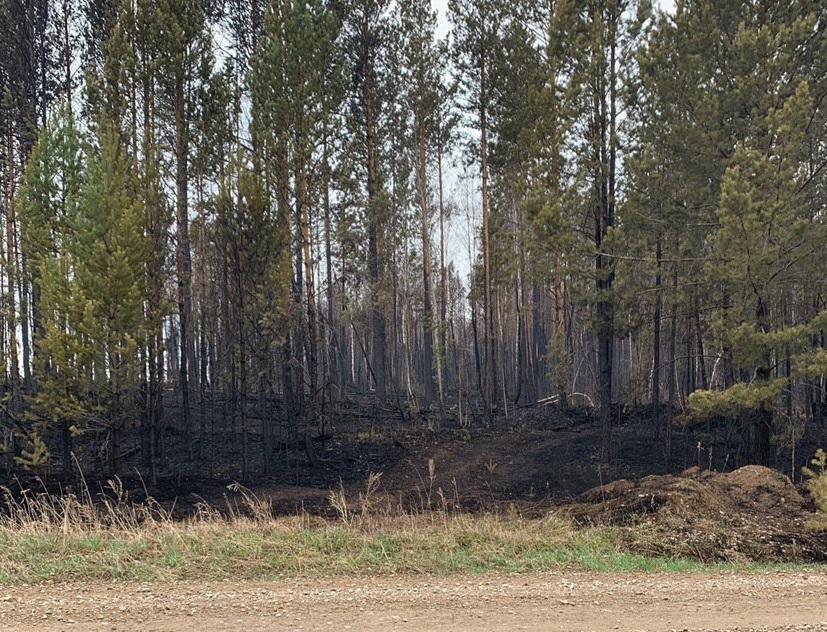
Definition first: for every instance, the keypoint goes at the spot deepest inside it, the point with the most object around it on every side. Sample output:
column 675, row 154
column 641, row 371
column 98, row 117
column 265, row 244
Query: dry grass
column 64, row 538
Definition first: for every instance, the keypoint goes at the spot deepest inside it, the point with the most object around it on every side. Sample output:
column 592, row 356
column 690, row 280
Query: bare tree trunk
column 762, row 423
column 427, row 310
column 656, row 369
column 291, row 387
column 332, row 357
column 155, row 265
column 490, row 386
column 241, row 404
column 379, row 362
column 311, row 410
column 605, row 159
column 23, row 286
column 182, row 250
column 443, row 286
column 560, row 347
column 700, row 344
column 11, row 272
column 673, row 332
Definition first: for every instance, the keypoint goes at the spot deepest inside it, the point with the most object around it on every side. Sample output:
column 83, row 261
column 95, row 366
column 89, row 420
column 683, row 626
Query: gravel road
column 550, row 602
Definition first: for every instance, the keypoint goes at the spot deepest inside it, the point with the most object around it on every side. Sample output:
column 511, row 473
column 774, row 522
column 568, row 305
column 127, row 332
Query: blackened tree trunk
column 656, row 369
column 183, row 259
column 427, row 309
column 378, row 325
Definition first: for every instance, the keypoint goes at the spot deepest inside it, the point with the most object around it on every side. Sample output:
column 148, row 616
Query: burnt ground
column 704, row 504
column 539, row 456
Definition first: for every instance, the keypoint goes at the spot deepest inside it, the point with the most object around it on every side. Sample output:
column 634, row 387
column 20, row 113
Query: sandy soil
column 548, row 602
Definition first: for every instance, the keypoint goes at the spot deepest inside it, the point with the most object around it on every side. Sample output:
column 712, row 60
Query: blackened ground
column 537, row 457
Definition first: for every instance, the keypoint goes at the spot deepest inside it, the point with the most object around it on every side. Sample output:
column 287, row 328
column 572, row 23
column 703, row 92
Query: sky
column 441, row 7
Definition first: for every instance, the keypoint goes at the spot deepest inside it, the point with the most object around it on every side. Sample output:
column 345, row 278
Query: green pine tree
column 765, row 238
column 49, row 197
column 93, row 314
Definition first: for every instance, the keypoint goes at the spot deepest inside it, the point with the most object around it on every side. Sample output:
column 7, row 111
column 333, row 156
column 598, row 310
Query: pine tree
column 476, row 38
column 765, row 237
column 365, row 37
column 247, row 234
column 184, row 42
column 93, row 305
column 48, row 198
column 10, row 260
column 423, row 58
column 271, row 126
column 707, row 125
column 588, row 43
column 295, row 82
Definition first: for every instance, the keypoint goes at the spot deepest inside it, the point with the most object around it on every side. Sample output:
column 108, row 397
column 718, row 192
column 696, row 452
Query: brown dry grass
column 109, row 537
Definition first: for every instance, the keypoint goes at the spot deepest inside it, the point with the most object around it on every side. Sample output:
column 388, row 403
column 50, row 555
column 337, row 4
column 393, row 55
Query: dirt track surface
column 548, row 602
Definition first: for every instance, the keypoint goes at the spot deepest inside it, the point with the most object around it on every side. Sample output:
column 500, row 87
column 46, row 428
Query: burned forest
column 509, row 251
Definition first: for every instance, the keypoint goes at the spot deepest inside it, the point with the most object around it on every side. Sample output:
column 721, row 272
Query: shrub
column 817, row 486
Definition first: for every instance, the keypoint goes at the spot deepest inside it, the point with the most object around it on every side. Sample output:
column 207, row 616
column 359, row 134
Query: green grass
column 62, row 538
column 254, row 549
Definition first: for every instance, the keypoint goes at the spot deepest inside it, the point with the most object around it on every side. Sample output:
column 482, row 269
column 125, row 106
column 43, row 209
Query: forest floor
column 595, row 602
column 534, row 460
column 539, row 455
column 523, row 494
column 701, row 503
column 505, row 527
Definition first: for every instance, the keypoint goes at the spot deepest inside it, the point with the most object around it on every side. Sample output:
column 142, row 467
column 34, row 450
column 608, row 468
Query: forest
column 231, row 228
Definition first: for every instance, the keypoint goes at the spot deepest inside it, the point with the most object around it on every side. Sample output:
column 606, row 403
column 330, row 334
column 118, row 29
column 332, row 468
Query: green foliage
column 35, row 455
column 296, row 82
column 249, row 234
column 765, row 231
column 181, row 34
column 817, row 486
column 737, row 399
column 296, row 78
column 813, row 364
column 760, row 247
column 49, row 195
column 750, row 346
column 92, row 302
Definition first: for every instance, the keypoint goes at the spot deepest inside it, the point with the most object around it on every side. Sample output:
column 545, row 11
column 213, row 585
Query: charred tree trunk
column 425, row 234
column 490, row 373
column 656, row 326
column 379, row 361
column 182, row 250
column 312, row 409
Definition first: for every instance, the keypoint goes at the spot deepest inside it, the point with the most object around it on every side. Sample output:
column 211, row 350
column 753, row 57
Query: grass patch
column 250, row 549
column 47, row 538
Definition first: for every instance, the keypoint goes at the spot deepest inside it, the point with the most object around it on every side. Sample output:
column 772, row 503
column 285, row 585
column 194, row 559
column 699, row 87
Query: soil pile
column 751, row 514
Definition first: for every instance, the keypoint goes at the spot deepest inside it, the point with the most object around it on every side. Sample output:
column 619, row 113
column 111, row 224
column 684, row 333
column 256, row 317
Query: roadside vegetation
column 110, row 538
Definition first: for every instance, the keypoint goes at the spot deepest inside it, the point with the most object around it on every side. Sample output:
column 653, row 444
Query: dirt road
column 548, row 602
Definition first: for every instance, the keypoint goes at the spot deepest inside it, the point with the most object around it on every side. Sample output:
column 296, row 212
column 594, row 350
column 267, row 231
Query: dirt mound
column 751, row 514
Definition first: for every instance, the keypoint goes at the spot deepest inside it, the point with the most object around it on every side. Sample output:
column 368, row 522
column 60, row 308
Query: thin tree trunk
column 332, row 347
column 656, row 369
column 673, row 332
column 443, row 285
column 379, row 361
column 182, row 251
column 490, row 387
column 311, row 410
column 427, row 310
column 11, row 272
